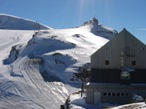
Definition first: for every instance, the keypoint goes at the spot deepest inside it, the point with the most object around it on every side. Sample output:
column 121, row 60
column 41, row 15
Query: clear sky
column 116, row 14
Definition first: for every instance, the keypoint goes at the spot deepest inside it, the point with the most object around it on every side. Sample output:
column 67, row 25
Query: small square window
column 113, row 94
column 122, row 94
column 107, row 62
column 126, row 94
column 105, row 94
column 133, row 63
column 118, row 94
column 109, row 94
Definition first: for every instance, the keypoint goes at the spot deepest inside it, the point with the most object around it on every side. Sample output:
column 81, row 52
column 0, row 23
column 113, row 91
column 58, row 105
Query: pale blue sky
column 117, row 14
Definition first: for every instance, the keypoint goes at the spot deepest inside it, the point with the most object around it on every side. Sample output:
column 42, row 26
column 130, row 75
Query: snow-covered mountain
column 62, row 51
column 37, row 70
column 15, row 23
column 98, row 29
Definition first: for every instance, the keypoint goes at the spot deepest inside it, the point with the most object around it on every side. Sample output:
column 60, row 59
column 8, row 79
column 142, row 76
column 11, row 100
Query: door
column 97, row 96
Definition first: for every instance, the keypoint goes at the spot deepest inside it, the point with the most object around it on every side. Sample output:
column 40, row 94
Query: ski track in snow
column 34, row 93
column 21, row 84
column 32, row 76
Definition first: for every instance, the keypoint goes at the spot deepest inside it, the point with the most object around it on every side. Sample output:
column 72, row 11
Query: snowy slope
column 22, row 86
column 37, row 70
column 62, row 51
column 15, row 23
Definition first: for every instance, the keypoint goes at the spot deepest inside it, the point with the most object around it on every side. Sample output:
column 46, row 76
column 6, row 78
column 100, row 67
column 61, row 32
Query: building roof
column 125, row 38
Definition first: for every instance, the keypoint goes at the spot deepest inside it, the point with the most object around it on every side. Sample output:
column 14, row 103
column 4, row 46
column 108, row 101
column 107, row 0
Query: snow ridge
column 16, row 23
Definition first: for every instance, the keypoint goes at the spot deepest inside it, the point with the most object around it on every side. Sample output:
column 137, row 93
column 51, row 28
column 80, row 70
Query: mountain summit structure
column 99, row 30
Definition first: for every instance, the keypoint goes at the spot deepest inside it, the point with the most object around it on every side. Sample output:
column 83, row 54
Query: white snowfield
column 36, row 70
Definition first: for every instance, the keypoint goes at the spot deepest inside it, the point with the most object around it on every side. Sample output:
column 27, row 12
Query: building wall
column 114, row 76
column 121, row 51
column 89, row 95
column 110, row 93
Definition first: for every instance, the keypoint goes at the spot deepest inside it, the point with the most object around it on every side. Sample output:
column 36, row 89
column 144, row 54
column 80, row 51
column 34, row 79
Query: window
column 126, row 94
column 107, row 62
column 133, row 62
column 105, row 94
column 118, row 94
column 122, row 94
column 143, row 49
column 109, row 94
column 113, row 94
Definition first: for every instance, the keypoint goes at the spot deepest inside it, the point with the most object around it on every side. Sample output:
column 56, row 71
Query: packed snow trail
column 47, row 94
column 31, row 92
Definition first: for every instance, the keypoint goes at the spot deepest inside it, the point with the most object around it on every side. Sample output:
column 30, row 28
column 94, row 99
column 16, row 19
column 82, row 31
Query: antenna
column 36, row 27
